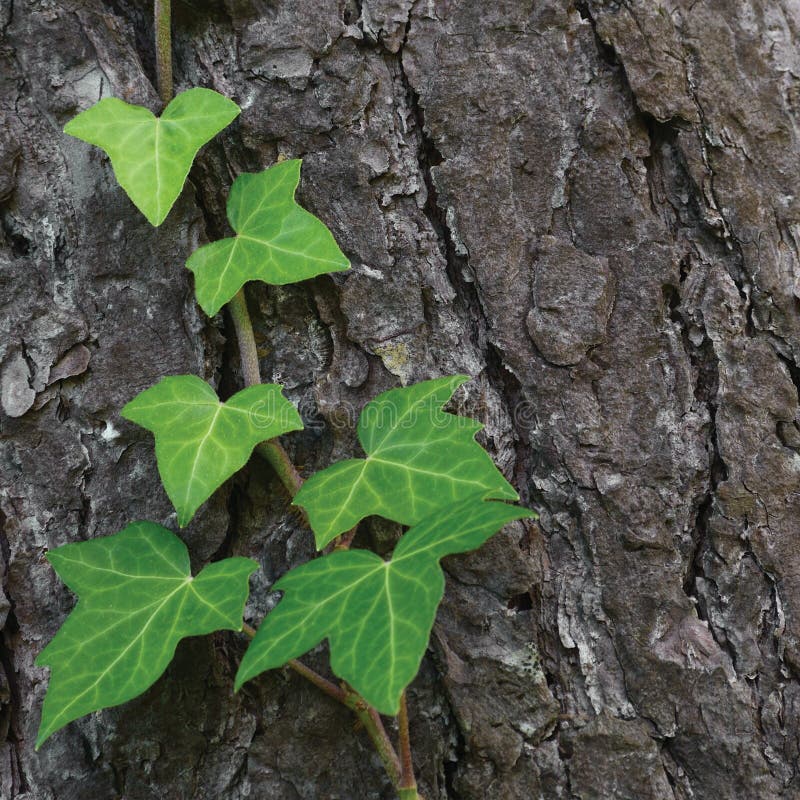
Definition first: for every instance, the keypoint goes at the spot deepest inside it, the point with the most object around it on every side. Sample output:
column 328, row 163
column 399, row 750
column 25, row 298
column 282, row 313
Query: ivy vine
column 421, row 467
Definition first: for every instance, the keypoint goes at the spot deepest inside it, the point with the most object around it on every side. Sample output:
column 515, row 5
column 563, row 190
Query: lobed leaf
column 137, row 600
column 151, row 156
column 419, row 459
column 201, row 442
column 277, row 240
column 377, row 615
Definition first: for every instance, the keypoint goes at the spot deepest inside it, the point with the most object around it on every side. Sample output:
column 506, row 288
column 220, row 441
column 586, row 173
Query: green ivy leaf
column 137, row 600
column 151, row 156
column 277, row 240
column 419, row 459
column 377, row 615
column 201, row 442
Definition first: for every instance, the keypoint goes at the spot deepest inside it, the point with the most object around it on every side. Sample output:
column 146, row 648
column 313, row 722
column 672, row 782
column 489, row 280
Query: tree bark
column 592, row 208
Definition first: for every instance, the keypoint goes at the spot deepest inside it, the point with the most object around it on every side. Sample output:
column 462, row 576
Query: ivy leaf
column 377, row 615
column 137, row 600
column 201, row 442
column 419, row 458
column 277, row 240
column 151, row 156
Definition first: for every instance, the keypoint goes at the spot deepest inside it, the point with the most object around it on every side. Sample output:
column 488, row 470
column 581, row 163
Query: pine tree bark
column 589, row 206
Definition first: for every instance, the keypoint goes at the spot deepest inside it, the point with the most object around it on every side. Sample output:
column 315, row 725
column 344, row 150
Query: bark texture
column 591, row 207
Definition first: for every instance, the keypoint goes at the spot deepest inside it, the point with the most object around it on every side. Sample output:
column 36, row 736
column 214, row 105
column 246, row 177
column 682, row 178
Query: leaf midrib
column 158, row 169
column 92, row 567
column 193, row 473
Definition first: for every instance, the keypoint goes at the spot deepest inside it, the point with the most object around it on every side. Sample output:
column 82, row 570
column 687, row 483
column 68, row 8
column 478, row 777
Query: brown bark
column 590, row 207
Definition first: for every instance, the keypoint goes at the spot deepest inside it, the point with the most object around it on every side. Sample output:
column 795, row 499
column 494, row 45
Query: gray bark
column 591, row 207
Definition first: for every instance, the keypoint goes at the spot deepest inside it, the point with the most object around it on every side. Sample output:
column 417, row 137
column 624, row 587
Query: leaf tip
column 322, row 540
column 46, row 730
column 239, row 680
column 459, row 380
column 154, row 219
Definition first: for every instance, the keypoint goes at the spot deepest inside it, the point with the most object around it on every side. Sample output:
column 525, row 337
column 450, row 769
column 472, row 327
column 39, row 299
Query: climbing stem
column 408, row 784
column 272, row 450
column 163, row 26
column 248, row 354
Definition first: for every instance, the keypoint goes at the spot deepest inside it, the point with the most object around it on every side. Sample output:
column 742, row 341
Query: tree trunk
column 590, row 207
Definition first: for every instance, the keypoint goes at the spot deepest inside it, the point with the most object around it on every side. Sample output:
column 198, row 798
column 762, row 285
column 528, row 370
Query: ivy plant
column 276, row 240
column 422, row 468
column 137, row 600
column 201, row 442
column 377, row 615
column 152, row 156
column 418, row 459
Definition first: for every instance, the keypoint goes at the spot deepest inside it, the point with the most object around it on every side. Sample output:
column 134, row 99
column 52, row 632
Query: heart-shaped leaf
column 151, row 156
column 419, row 459
column 201, row 442
column 377, row 615
column 277, row 240
column 137, row 600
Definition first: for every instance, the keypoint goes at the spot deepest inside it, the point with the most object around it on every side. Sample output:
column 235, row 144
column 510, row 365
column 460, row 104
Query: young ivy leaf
column 277, row 241
column 201, row 442
column 151, row 156
column 419, row 458
column 377, row 615
column 137, row 600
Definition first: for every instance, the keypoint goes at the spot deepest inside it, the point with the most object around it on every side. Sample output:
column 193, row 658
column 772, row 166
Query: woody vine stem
column 399, row 769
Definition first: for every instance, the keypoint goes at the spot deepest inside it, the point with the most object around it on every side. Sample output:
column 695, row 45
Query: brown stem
column 163, row 26
column 272, row 451
column 330, row 688
column 408, row 784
